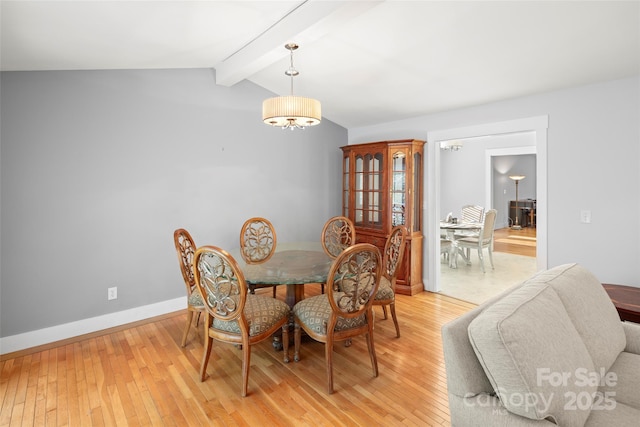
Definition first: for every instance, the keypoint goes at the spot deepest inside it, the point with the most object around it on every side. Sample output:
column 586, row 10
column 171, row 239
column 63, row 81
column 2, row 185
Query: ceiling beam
column 306, row 23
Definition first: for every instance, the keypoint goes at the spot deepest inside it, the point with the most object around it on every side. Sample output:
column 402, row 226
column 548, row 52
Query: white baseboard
column 73, row 329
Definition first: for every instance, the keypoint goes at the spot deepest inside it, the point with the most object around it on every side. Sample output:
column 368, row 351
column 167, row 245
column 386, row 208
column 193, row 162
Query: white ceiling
column 366, row 61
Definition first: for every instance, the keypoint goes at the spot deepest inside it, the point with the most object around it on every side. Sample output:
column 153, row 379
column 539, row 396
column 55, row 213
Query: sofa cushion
column 530, row 351
column 632, row 332
column 621, row 416
column 591, row 311
column 465, row 376
column 622, row 380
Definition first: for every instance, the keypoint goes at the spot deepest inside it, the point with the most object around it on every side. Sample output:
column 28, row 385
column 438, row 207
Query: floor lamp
column 516, row 224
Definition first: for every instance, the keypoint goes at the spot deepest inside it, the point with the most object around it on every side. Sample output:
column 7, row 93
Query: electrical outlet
column 112, row 293
column 585, row 217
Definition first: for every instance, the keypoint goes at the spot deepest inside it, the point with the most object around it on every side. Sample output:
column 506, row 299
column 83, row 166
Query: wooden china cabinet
column 382, row 188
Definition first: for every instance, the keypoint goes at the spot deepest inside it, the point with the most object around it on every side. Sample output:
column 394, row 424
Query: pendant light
column 291, row 112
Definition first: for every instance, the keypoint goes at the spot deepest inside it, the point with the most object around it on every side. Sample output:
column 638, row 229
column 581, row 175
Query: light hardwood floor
column 139, row 375
column 517, row 242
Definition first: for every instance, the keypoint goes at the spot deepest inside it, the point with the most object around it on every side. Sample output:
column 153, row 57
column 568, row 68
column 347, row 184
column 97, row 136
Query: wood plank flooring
column 140, row 376
column 517, row 242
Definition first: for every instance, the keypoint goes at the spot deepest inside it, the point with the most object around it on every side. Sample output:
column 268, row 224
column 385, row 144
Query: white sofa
column 549, row 351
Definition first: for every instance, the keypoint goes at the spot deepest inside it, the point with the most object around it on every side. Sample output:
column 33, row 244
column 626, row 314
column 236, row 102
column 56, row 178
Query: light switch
column 585, row 217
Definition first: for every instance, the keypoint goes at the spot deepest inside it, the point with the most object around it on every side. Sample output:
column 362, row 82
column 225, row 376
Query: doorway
column 536, row 125
column 514, row 248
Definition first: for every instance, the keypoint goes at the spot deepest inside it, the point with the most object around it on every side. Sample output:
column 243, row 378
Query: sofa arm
column 486, row 410
column 632, row 333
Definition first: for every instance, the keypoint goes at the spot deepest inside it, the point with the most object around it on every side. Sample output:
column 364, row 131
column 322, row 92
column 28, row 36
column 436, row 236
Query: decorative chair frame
column 185, row 248
column 392, row 259
column 346, row 310
column 232, row 314
column 258, row 244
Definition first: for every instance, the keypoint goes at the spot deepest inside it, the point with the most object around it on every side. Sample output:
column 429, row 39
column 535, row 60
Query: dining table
column 293, row 265
column 450, row 228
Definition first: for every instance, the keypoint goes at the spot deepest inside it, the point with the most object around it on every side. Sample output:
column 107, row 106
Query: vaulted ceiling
column 366, row 61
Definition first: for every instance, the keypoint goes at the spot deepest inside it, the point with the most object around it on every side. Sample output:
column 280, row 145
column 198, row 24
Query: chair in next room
column 483, row 240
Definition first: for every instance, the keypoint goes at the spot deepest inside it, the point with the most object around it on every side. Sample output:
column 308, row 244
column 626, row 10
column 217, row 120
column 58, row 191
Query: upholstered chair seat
column 261, row 313
column 385, row 291
column 316, row 311
column 195, row 300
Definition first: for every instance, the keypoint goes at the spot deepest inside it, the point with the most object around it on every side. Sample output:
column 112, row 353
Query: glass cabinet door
column 398, row 188
column 345, row 187
column 368, row 190
column 417, row 192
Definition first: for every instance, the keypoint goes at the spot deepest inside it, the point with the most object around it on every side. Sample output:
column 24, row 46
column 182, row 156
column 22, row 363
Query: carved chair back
column 338, row 234
column 257, row 240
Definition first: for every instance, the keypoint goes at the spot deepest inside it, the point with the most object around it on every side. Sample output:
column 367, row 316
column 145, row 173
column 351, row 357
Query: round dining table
column 293, row 265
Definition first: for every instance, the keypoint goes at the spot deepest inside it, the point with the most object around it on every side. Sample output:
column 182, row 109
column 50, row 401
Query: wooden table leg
column 295, row 293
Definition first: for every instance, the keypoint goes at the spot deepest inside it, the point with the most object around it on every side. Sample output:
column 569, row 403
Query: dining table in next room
column 450, row 228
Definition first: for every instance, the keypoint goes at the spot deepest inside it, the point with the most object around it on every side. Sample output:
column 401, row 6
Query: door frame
column 431, row 251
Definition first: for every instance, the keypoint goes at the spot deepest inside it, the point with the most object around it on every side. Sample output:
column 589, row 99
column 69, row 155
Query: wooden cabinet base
column 409, row 275
column 409, row 290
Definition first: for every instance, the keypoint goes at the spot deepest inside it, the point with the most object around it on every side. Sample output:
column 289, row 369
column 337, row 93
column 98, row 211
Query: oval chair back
column 394, row 252
column 257, row 240
column 353, row 281
column 338, row 234
column 258, row 244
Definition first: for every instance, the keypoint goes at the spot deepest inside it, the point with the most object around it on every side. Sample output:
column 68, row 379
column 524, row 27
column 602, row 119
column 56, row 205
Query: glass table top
column 292, row 263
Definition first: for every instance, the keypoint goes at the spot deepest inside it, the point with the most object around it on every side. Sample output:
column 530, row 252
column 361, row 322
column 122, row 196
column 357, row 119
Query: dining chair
column 470, row 213
column 483, row 240
column 346, row 310
column 392, row 258
column 338, row 233
column 232, row 314
column 185, row 247
column 257, row 244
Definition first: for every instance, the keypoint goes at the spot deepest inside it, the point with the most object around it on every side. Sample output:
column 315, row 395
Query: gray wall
column 462, row 175
column 99, row 167
column 593, row 159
